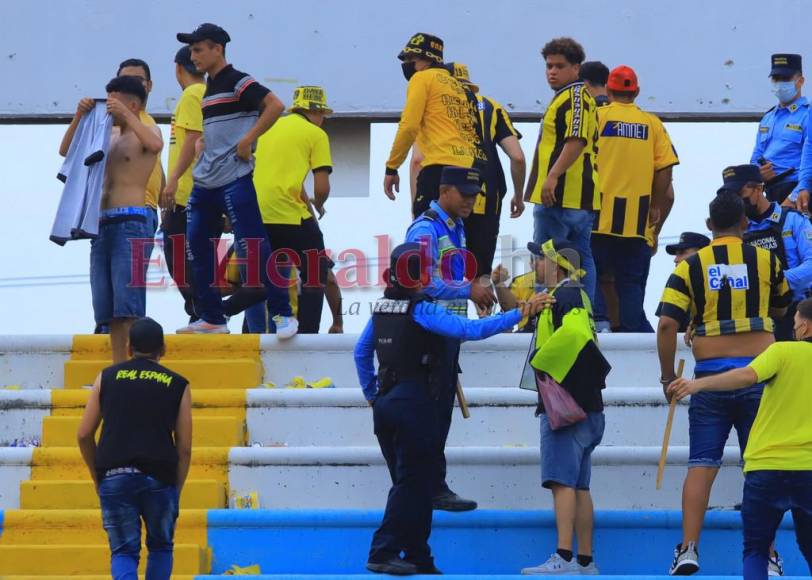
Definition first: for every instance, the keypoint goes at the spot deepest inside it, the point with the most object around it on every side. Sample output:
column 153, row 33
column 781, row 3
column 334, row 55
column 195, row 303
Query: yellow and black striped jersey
column 571, row 114
column 726, row 288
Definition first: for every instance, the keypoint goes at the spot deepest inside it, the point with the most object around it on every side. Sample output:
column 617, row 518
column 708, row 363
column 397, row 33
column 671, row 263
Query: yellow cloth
column 188, row 116
column 285, row 153
column 632, row 146
column 781, row 436
column 440, row 118
column 571, row 114
column 523, row 287
column 153, row 192
column 726, row 296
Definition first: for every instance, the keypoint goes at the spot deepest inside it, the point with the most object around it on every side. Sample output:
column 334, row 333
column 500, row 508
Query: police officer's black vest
column 772, row 238
column 140, row 400
column 405, row 350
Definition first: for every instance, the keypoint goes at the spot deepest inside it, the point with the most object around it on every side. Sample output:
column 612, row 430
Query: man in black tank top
column 143, row 455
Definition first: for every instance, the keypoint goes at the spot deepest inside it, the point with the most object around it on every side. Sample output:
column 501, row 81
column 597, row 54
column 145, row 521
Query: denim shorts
column 566, row 454
column 128, row 498
column 116, row 292
column 712, row 414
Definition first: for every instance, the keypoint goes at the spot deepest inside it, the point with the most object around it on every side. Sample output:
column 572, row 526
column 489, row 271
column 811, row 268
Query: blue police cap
column 466, row 179
column 785, row 65
column 737, row 176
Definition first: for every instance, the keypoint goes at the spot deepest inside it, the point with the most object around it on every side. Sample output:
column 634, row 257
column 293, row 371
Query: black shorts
column 428, row 188
column 481, row 233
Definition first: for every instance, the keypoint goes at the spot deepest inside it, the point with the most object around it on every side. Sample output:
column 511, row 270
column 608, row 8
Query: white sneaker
column 686, row 560
column 589, row 570
column 203, row 327
column 555, row 566
column 775, row 566
column 286, row 326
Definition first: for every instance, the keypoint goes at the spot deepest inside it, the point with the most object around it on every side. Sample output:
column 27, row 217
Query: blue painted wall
column 481, row 542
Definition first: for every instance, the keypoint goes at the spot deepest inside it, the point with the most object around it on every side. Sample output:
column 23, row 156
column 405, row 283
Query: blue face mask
column 784, row 90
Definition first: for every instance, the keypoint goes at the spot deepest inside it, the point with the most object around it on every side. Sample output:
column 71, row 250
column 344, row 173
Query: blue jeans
column 768, row 495
column 628, row 261
column 711, row 415
column 573, row 225
column 566, row 453
column 126, row 499
column 116, row 289
column 238, row 200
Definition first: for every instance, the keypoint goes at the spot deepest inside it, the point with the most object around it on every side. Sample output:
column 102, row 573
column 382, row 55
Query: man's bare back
column 129, row 165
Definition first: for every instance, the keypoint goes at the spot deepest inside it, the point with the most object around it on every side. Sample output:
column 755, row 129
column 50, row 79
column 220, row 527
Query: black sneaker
column 686, row 560
column 395, row 566
column 451, row 502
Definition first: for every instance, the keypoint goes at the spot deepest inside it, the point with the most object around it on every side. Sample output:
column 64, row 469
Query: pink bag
column 560, row 407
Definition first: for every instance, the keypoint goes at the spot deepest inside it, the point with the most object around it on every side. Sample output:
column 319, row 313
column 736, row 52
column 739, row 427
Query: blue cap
column 737, row 176
column 466, row 179
column 785, row 65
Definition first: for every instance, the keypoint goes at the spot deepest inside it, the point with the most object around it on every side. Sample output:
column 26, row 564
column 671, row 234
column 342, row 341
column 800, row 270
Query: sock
column 584, row 560
column 566, row 554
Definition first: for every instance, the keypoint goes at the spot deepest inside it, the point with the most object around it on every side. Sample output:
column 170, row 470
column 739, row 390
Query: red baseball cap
column 622, row 79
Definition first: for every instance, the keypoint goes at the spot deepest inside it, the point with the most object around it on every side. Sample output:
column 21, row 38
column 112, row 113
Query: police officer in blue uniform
column 409, row 333
column 451, row 270
column 778, row 229
column 782, row 132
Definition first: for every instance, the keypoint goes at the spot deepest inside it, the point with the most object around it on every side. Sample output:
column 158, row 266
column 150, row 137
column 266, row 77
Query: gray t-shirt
column 230, row 109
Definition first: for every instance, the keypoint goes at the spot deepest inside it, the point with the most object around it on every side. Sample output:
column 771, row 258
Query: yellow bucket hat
column 460, row 72
column 310, row 98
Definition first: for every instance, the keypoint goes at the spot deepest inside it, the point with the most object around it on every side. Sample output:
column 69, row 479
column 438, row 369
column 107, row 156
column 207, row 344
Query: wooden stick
column 667, row 435
column 463, row 403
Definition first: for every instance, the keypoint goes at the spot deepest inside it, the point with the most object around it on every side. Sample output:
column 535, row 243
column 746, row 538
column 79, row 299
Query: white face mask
column 785, row 91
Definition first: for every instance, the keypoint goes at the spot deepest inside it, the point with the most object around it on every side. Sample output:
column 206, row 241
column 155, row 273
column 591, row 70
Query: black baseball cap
column 424, row 45
column 736, row 177
column 688, row 240
column 206, row 31
column 466, row 179
column 146, row 336
column 785, row 65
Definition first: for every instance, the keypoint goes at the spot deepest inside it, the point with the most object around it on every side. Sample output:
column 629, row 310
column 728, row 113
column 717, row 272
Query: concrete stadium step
column 623, row 477
column 341, row 417
column 206, row 402
column 48, row 495
column 629, row 544
column 65, row 463
column 228, row 373
column 206, row 431
column 178, row 346
column 496, row 362
column 70, row 560
column 84, row 527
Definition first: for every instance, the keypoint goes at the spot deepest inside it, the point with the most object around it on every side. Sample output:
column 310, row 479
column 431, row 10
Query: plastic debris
column 244, row 501
column 243, row 571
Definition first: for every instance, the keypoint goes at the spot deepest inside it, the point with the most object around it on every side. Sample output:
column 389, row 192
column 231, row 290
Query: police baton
column 667, row 435
column 463, row 403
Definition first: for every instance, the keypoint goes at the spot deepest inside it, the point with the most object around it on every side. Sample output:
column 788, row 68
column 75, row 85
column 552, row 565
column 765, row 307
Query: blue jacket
column 445, row 238
column 782, row 139
column 797, row 239
column 434, row 318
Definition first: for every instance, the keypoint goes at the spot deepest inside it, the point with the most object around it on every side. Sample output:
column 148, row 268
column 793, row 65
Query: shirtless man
column 125, row 238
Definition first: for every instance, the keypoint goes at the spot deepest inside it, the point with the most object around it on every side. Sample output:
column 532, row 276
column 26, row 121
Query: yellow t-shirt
column 781, row 437
column 441, row 119
column 632, row 146
column 571, row 114
column 285, row 153
column 153, row 192
column 188, row 116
